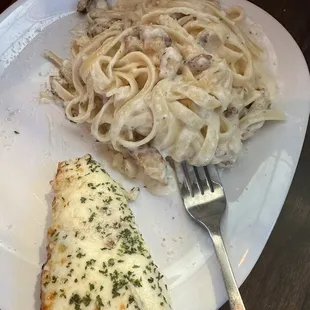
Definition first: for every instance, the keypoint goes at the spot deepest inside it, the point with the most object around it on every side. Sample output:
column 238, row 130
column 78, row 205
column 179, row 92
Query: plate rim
column 18, row 3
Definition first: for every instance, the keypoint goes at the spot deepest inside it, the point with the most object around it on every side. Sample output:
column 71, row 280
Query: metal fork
column 205, row 201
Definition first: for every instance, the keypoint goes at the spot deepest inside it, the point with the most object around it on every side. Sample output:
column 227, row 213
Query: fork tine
column 205, row 179
column 191, row 178
column 210, row 183
column 213, row 175
column 179, row 173
column 184, row 186
column 187, row 177
column 199, row 180
column 185, row 190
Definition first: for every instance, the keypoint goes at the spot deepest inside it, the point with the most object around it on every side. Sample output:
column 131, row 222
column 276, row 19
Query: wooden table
column 281, row 278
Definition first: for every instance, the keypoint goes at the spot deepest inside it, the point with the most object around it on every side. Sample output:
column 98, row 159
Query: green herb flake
column 86, row 300
column 90, row 263
column 99, row 301
column 76, row 300
column 80, row 255
column 137, row 283
column 131, row 299
column 91, row 218
column 108, row 200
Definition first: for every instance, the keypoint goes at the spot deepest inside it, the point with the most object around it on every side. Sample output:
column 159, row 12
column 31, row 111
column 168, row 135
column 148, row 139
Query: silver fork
column 205, row 201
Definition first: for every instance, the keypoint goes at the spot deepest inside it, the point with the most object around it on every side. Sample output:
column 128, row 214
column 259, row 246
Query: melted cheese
column 97, row 259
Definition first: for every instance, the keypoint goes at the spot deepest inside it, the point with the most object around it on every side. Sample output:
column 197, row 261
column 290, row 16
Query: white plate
column 256, row 188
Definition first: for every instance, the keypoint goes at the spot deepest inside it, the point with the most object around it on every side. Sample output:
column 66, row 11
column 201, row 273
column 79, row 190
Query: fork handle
column 233, row 293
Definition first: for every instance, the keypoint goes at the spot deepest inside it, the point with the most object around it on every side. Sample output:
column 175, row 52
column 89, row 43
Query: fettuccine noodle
column 175, row 79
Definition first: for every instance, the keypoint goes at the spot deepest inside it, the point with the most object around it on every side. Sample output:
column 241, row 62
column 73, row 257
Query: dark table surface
column 281, row 278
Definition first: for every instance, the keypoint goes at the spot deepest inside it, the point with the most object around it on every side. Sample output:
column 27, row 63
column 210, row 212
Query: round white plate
column 256, row 188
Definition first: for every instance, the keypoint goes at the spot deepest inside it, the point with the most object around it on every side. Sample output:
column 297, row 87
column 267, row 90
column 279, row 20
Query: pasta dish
column 166, row 79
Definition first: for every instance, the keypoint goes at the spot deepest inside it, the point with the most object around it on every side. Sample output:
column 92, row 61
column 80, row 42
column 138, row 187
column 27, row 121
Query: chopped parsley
column 90, row 263
column 111, row 262
column 77, row 301
column 86, row 300
column 131, row 299
column 91, row 218
column 80, row 255
column 99, row 301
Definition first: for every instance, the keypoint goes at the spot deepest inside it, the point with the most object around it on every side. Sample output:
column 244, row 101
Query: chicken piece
column 82, row 5
column 154, row 39
column 177, row 15
column 231, row 112
column 199, row 63
column 126, row 166
column 88, row 5
column 153, row 164
column 170, row 63
column 133, row 43
column 98, row 4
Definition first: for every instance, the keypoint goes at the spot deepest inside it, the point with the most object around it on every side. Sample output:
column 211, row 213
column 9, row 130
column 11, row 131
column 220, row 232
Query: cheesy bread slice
column 97, row 258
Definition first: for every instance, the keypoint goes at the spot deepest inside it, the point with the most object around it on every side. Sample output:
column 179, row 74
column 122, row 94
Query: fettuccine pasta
column 158, row 79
